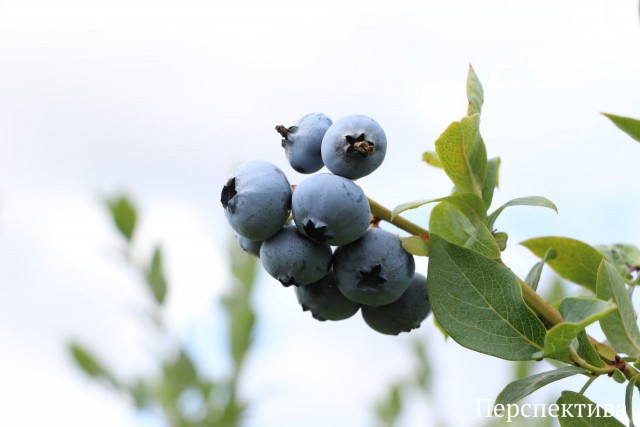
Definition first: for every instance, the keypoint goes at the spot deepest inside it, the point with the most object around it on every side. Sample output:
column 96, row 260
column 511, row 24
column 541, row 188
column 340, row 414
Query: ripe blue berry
column 302, row 141
column 256, row 200
column 330, row 209
column 248, row 245
column 325, row 301
column 375, row 269
column 404, row 314
column 354, row 146
column 294, row 259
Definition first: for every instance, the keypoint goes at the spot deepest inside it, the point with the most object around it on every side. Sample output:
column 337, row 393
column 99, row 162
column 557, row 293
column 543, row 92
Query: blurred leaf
column 89, row 364
column 463, row 154
column 620, row 326
column 523, row 369
column 156, row 278
column 491, row 180
column 389, row 410
column 237, row 303
column 556, row 293
column 416, row 245
column 518, row 390
column 578, row 313
column 628, row 125
column 423, row 370
column 533, row 277
column 475, row 93
column 575, row 411
column 124, row 215
column 179, row 373
column 431, row 158
column 479, row 303
column 575, row 261
column 626, row 259
column 141, row 393
column 522, row 201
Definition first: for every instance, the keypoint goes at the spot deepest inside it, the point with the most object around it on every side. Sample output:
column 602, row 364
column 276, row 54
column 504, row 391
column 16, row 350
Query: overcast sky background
column 162, row 99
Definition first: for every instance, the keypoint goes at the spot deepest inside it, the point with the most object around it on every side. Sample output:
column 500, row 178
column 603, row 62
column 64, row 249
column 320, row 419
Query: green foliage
column 578, row 410
column 88, row 363
column 534, row 275
column 518, row 390
column 177, row 377
column 522, row 201
column 155, row 277
column 431, row 158
column 389, row 409
column 463, row 155
column 575, row 261
column 626, row 259
column 620, row 327
column 628, row 399
column 416, row 245
column 124, row 215
column 484, row 306
column 629, row 126
column 475, row 93
column 578, row 313
column 479, row 303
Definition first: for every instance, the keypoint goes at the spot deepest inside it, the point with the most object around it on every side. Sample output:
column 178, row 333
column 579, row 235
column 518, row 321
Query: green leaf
column 578, row 313
column 238, row 306
column 431, row 158
column 479, row 303
column 587, row 352
column 389, row 410
column 522, row 201
column 179, row 373
column 575, row 261
column 416, row 245
column 630, row 126
column 628, row 399
column 475, row 93
column 619, row 327
column 463, row 154
column 518, row 390
column 453, row 225
column 124, row 215
column 533, row 277
column 156, row 278
column 468, row 203
column 491, row 181
column 90, row 365
column 577, row 410
column 626, row 259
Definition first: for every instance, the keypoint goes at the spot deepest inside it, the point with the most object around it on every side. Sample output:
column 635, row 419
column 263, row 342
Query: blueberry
column 354, row 146
column 256, row 200
column 248, row 245
column 301, row 142
column 330, row 209
column 405, row 313
column 325, row 301
column 294, row 259
column 375, row 269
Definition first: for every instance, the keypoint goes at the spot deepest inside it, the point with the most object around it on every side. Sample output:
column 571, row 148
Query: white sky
column 164, row 98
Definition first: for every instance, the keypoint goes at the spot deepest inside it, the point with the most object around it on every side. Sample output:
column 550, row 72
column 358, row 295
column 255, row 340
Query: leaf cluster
column 481, row 304
column 178, row 390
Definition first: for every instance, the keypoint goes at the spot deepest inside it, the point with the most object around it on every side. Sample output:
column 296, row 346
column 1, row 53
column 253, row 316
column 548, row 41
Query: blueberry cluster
column 319, row 236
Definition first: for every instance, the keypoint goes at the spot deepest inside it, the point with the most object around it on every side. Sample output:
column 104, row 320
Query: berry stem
column 385, row 214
